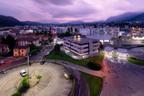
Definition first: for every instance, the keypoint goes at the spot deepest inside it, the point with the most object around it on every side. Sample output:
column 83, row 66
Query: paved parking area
column 52, row 82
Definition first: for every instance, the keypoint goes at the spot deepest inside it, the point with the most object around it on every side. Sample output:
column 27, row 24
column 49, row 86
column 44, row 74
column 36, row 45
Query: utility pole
column 28, row 65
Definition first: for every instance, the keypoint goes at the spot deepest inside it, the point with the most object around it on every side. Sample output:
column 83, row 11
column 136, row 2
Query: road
column 81, row 86
column 45, row 51
column 79, row 68
column 123, row 79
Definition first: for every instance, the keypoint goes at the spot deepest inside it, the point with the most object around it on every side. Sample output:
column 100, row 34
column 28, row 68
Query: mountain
column 127, row 17
column 138, row 18
column 74, row 22
column 31, row 23
column 8, row 21
column 39, row 23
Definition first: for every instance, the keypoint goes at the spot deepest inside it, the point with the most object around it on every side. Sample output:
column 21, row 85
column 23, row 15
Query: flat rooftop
column 101, row 37
column 81, row 40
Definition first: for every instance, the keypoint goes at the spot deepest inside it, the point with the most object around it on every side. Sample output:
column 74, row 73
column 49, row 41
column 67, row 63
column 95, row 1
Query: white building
column 60, row 29
column 103, row 34
column 26, row 31
column 80, row 47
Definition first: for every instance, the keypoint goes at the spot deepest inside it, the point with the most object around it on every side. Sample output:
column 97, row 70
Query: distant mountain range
column 126, row 17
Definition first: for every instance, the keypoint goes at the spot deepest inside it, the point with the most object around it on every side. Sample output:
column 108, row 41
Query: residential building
column 28, row 40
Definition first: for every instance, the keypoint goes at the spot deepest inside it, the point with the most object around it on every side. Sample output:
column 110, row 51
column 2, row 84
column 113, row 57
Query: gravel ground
column 52, row 82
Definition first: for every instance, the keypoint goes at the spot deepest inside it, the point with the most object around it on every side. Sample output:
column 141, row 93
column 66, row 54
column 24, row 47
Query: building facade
column 80, row 47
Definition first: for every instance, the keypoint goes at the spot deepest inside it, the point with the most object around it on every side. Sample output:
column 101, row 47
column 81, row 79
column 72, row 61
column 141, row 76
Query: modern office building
column 80, row 47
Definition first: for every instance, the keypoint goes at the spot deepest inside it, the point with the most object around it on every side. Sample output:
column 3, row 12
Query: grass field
column 137, row 61
column 95, row 84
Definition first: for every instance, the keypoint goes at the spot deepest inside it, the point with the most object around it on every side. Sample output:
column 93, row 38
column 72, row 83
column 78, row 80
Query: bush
column 38, row 77
column 94, row 66
column 34, row 49
column 24, row 86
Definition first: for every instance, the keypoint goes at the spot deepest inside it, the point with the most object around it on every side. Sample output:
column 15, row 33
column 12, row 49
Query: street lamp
column 28, row 64
column 23, row 52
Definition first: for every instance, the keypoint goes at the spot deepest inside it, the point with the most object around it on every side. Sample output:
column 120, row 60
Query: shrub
column 38, row 77
column 93, row 66
column 24, row 86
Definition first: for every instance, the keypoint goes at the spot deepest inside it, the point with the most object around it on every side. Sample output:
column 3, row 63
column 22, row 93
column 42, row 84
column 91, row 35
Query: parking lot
column 52, row 83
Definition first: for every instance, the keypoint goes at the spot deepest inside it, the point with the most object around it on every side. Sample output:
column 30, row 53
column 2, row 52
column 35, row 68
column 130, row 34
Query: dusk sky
column 68, row 10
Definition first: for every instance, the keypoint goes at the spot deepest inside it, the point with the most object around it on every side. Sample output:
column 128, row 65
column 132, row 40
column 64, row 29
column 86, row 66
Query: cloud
column 55, row 2
column 76, row 11
column 67, row 10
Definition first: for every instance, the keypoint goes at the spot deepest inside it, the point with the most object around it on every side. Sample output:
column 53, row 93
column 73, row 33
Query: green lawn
column 62, row 56
column 137, row 61
column 95, row 84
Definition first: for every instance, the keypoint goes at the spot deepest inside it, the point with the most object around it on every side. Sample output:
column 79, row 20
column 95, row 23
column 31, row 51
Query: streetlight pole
column 28, row 65
column 28, row 62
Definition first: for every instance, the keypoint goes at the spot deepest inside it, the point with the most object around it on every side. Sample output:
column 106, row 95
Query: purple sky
column 67, row 10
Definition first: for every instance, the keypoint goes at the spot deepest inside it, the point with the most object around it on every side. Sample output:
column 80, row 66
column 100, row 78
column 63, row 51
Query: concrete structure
column 80, row 47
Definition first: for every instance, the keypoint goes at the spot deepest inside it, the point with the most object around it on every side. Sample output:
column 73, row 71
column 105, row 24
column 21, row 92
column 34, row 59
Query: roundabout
column 52, row 82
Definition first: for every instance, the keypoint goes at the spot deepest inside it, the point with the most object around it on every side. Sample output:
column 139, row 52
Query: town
column 86, row 46
column 71, row 48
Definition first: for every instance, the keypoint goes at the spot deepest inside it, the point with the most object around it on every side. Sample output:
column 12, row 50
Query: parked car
column 42, row 62
column 23, row 73
column 3, row 72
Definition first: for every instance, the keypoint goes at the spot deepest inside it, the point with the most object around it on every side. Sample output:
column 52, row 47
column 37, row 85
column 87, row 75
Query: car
column 42, row 62
column 66, row 76
column 23, row 73
column 3, row 72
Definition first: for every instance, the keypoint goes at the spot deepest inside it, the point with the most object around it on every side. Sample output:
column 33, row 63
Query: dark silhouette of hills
column 128, row 17
column 9, row 21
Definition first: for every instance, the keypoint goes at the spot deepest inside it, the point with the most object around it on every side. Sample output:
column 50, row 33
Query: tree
column 34, row 49
column 10, row 41
column 101, row 47
column 50, row 36
column 57, row 48
column 93, row 65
